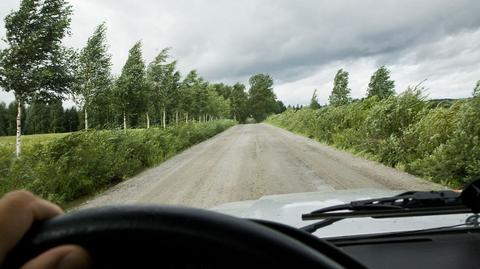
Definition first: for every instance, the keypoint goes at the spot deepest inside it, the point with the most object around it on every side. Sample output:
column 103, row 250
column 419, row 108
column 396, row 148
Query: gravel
column 247, row 162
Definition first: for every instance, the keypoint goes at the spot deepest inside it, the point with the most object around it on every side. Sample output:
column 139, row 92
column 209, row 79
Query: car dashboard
column 458, row 248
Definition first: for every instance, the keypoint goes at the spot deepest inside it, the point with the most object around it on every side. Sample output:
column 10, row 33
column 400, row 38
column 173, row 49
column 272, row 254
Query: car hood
column 288, row 208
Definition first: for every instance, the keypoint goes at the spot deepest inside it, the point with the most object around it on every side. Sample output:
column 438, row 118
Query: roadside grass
column 66, row 167
column 437, row 143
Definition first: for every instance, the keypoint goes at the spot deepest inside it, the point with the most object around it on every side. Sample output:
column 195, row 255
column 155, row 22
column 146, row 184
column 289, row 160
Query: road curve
column 249, row 161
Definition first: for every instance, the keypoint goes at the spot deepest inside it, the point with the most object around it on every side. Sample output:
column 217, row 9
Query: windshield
column 258, row 109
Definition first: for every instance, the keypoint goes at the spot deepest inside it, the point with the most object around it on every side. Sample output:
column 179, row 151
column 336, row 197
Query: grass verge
column 79, row 164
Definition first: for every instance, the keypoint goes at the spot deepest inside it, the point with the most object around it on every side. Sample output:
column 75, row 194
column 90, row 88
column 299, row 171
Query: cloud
column 300, row 43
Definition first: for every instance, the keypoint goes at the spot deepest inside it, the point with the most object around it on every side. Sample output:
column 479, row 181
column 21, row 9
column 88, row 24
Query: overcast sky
column 300, row 43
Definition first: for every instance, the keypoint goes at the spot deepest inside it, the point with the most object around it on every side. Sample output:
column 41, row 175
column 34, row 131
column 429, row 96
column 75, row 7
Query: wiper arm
column 403, row 205
column 317, row 225
column 407, row 204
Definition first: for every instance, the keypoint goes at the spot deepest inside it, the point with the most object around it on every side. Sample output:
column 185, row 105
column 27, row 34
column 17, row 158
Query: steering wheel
column 168, row 237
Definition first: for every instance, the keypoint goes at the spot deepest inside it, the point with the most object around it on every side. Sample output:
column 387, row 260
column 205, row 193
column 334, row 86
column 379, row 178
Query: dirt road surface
column 247, row 162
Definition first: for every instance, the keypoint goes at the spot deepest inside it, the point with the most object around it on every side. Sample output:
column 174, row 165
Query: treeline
column 38, row 69
column 438, row 140
column 39, row 118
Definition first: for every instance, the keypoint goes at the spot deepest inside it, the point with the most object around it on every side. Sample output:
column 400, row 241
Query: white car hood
column 288, row 208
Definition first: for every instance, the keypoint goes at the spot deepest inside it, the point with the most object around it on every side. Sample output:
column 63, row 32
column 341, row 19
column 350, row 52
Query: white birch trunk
column 86, row 118
column 186, row 117
column 164, row 120
column 18, row 149
column 124, row 121
column 148, row 121
column 176, row 117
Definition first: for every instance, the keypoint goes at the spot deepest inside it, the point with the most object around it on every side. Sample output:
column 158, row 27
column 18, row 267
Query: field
column 8, row 142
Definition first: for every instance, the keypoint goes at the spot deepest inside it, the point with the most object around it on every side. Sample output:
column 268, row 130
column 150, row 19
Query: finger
column 63, row 257
column 18, row 210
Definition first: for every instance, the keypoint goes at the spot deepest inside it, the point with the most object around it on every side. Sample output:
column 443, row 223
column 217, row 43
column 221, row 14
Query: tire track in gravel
column 249, row 161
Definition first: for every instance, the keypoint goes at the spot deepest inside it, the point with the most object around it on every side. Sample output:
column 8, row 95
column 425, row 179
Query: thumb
column 63, row 257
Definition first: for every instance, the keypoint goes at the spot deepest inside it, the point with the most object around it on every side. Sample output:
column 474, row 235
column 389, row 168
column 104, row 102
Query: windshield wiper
column 407, row 204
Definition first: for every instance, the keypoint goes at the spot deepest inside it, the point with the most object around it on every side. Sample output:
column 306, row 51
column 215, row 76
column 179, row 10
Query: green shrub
column 435, row 127
column 387, row 120
column 457, row 161
column 82, row 163
column 441, row 143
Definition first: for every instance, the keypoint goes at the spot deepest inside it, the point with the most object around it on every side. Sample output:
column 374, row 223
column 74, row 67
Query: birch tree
column 200, row 95
column 163, row 80
column 314, row 101
column 340, row 93
column 93, row 74
column 380, row 84
column 170, row 91
column 34, row 62
column 186, row 94
column 130, row 86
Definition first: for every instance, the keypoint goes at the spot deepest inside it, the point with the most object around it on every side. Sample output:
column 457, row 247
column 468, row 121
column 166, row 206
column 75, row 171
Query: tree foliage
column 93, row 74
column 35, row 64
column 239, row 102
column 130, row 87
column 39, row 118
column 457, row 160
column 438, row 143
column 314, row 101
column 340, row 92
column 380, row 84
column 40, row 70
column 163, row 82
column 262, row 100
column 476, row 90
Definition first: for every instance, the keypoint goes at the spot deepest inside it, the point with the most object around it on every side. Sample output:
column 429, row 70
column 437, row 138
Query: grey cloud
column 291, row 40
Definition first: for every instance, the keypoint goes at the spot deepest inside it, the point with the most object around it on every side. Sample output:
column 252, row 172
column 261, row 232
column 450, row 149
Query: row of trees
column 155, row 93
column 380, row 85
column 37, row 68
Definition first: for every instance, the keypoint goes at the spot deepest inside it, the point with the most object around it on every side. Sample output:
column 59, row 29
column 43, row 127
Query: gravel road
column 249, row 161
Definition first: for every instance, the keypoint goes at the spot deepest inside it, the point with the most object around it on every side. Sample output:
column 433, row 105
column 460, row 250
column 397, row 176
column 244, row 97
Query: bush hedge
column 440, row 143
column 82, row 163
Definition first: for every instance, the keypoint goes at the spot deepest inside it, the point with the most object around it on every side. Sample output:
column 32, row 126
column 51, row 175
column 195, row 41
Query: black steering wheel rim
column 111, row 233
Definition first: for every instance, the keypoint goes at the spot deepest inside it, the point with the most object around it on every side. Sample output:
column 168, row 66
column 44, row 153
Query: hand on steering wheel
column 18, row 211
column 146, row 236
